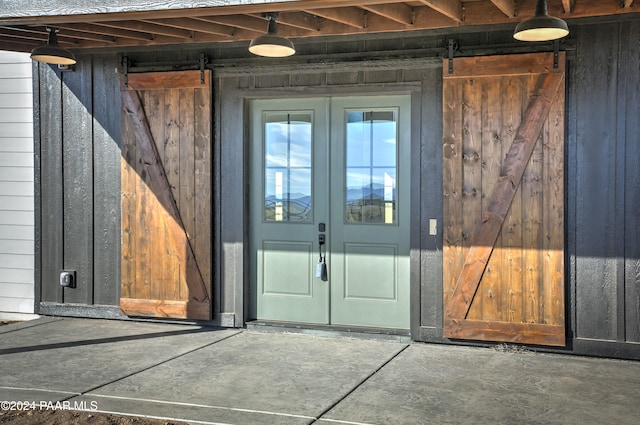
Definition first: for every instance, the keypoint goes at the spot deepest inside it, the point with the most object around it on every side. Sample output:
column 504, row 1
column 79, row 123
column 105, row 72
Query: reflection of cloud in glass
column 282, row 139
column 371, row 143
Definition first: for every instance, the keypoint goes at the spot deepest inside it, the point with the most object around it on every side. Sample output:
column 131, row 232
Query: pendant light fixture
column 541, row 27
column 271, row 44
column 52, row 53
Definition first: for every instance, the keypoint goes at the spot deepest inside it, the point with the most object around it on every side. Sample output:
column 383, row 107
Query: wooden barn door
column 503, row 168
column 166, row 195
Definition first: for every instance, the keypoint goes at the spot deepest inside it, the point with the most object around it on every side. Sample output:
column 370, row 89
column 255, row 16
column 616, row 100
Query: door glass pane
column 371, row 163
column 287, row 166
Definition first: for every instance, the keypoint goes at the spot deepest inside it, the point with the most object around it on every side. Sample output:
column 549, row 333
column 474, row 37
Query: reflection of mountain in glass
column 293, row 207
column 367, row 204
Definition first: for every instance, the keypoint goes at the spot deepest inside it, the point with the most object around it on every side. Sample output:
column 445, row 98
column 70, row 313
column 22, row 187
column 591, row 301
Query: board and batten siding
column 78, row 159
column 16, row 185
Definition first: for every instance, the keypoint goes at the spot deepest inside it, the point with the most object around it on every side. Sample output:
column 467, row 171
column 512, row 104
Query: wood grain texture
column 596, row 138
column 52, row 247
column 630, row 97
column 519, row 333
column 77, row 101
column 502, row 196
column 164, row 247
column 471, row 172
column 106, row 181
column 510, row 274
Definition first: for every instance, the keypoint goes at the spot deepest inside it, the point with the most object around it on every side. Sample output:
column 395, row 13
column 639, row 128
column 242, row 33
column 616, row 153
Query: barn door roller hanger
column 203, row 60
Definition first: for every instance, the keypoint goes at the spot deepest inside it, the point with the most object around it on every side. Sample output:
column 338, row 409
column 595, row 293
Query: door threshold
column 331, row 331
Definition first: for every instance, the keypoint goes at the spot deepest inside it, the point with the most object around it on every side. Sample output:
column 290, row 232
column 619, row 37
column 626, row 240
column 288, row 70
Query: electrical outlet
column 433, row 226
column 68, row 279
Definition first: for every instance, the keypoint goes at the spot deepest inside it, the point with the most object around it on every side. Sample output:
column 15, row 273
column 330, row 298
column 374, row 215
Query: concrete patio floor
column 226, row 376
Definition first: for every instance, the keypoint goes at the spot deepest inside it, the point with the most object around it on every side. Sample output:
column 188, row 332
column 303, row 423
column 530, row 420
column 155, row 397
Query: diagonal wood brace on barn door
column 159, row 184
column 503, row 277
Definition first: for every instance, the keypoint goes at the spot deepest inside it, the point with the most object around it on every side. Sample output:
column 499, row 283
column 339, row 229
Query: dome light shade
column 272, row 45
column 541, row 27
column 52, row 53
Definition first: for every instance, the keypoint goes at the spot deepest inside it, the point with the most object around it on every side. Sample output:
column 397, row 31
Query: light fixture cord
column 541, row 8
column 53, row 38
column 272, row 27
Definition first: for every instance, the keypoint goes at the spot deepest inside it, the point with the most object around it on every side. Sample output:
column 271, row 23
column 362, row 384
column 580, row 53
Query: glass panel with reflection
column 371, row 164
column 287, row 167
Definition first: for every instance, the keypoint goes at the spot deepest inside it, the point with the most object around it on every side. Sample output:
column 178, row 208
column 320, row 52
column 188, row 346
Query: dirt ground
column 72, row 417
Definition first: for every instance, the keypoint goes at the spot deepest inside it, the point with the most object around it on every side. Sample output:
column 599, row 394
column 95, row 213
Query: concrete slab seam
column 154, row 365
column 338, row 421
column 39, row 389
column 205, row 406
column 372, row 374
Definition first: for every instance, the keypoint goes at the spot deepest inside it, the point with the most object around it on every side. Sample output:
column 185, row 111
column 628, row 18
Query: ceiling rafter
column 351, row 16
column 567, row 5
column 397, row 12
column 450, row 8
column 246, row 22
column 193, row 25
column 300, row 20
column 106, row 31
column 297, row 19
column 508, row 7
column 146, row 27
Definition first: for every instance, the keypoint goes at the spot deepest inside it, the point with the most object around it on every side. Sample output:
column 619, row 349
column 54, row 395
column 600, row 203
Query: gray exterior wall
column 79, row 160
column 16, row 186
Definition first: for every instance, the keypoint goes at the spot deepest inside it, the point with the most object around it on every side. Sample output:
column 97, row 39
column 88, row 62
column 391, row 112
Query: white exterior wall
column 16, row 185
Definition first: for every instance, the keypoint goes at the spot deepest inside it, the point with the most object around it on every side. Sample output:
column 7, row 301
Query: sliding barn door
column 503, row 165
column 166, row 195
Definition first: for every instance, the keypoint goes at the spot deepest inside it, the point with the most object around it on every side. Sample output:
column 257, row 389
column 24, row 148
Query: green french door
column 336, row 168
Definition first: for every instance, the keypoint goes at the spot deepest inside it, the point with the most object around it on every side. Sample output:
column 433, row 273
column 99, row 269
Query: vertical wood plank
column 128, row 209
column 630, row 69
column 51, row 183
column 492, row 155
column 77, row 124
column 532, row 219
column 107, row 175
column 510, row 239
column 171, row 148
column 186, row 160
column 596, row 135
column 452, row 186
column 186, row 164
column 471, row 171
column 553, row 219
column 429, row 173
column 202, row 181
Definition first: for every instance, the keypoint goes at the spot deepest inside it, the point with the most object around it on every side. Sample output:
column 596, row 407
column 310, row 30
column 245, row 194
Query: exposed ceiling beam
column 97, row 16
column 508, row 7
column 246, row 22
column 297, row 19
column 111, row 32
column 567, row 5
column 194, row 25
column 351, row 16
column 146, row 27
column 300, row 20
column 450, row 8
column 398, row 12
